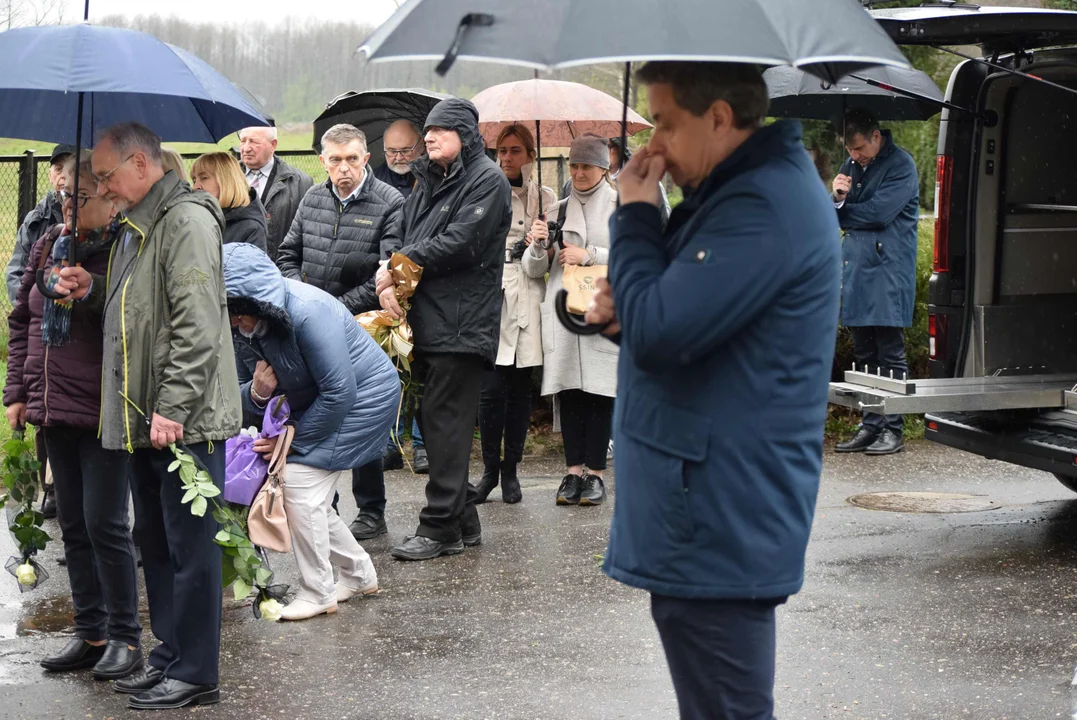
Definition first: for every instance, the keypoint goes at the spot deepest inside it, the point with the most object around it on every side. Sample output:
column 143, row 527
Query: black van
column 1003, row 295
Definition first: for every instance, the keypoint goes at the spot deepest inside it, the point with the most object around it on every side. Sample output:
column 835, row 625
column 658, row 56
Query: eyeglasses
column 101, row 179
column 82, row 200
column 401, row 152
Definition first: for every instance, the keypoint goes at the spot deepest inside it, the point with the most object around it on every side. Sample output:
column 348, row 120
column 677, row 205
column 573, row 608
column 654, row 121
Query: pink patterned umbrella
column 560, row 110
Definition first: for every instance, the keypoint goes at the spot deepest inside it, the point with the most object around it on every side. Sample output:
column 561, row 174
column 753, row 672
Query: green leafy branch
column 243, row 568
column 19, row 471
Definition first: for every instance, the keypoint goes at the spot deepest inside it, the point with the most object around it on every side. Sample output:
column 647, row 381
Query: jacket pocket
column 663, row 440
column 547, row 320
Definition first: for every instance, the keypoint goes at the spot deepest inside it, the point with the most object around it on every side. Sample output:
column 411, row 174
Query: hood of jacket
column 463, row 117
column 254, row 285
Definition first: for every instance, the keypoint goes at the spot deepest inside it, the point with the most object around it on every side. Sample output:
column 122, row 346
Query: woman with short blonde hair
column 221, row 176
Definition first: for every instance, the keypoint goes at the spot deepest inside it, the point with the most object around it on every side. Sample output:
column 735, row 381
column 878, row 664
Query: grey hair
column 85, row 170
column 130, row 137
column 343, row 134
column 269, row 130
column 698, row 85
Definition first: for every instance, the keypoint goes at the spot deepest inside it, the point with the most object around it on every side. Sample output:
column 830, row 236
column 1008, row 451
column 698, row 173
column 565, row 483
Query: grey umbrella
column 897, row 94
column 373, row 111
column 551, row 34
column 548, row 34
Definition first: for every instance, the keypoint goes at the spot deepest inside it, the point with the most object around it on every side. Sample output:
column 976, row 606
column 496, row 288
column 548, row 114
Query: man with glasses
column 341, row 231
column 280, row 186
column 403, row 146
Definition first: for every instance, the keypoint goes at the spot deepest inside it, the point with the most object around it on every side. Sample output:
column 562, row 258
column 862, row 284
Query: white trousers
column 320, row 537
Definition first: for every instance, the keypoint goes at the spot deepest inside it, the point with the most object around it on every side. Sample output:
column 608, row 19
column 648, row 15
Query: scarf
column 56, row 314
column 587, row 216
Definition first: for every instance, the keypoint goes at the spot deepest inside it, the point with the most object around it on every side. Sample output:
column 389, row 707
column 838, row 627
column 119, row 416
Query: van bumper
column 1009, row 437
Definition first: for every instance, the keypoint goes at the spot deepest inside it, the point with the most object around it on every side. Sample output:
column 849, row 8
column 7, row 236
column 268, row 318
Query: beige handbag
column 267, row 522
column 579, row 281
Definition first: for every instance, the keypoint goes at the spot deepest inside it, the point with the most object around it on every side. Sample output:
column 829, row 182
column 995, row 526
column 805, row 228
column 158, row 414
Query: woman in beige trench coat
column 505, row 406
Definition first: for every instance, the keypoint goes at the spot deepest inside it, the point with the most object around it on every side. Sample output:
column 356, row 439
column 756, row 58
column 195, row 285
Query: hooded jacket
column 168, row 338
column 342, row 389
column 60, row 385
column 47, row 213
column 325, row 232
column 455, row 223
column 247, row 224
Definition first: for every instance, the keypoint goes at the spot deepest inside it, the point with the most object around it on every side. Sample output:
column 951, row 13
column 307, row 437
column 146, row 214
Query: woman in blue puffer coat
column 298, row 341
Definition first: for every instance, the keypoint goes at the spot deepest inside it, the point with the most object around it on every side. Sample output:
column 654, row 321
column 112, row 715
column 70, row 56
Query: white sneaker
column 304, row 609
column 346, row 593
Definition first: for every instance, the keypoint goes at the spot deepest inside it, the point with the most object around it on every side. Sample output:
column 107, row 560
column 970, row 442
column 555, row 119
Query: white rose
column 25, row 574
column 270, row 610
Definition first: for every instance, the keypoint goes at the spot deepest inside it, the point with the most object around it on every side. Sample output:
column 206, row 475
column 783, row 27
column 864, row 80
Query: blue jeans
column 398, row 431
column 720, row 655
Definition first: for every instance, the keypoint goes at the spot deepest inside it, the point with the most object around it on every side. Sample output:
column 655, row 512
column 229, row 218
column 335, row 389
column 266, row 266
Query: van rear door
column 995, row 29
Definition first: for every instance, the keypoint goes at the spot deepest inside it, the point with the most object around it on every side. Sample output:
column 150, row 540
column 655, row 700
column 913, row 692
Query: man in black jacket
column 280, row 186
column 403, row 146
column 455, row 223
column 348, row 223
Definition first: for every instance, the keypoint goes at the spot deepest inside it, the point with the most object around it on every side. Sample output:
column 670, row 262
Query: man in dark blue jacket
column 727, row 321
column 877, row 195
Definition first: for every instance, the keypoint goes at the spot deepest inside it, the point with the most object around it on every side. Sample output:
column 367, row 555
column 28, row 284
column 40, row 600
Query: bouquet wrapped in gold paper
column 394, row 336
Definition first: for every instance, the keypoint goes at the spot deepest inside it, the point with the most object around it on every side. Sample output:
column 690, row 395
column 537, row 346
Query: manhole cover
column 924, row 502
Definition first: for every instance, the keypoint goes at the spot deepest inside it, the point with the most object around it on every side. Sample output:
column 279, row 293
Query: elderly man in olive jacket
column 170, row 377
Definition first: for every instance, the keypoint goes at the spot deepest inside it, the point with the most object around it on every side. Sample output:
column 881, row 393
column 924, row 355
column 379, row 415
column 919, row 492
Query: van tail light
column 944, row 172
column 937, row 326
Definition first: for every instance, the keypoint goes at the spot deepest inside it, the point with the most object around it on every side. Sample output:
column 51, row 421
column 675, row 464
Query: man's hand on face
column 164, row 432
column 842, row 185
column 638, row 181
column 601, row 309
column 74, row 282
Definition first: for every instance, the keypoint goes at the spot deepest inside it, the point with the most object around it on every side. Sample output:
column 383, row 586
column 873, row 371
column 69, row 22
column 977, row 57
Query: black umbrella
column 898, row 94
column 567, row 33
column 373, row 111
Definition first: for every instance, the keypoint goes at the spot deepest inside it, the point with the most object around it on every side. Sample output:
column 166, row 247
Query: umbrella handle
column 573, row 323
column 468, row 21
column 44, row 290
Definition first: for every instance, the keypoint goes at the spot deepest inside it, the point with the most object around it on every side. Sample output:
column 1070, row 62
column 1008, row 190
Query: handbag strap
column 280, row 452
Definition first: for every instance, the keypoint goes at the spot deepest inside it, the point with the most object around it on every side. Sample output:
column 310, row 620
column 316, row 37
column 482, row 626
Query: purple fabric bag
column 244, row 469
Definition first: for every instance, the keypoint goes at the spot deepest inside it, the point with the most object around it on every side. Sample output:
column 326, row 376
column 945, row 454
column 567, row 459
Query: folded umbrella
column 373, row 111
column 887, row 93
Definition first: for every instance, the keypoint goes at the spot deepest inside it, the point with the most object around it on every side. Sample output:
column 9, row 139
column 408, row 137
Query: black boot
column 487, row 483
column 510, row 484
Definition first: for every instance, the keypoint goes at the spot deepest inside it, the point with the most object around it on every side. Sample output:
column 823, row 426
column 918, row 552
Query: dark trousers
column 368, row 487
column 586, row 422
column 720, row 655
column 451, row 386
column 91, row 506
column 504, row 412
column 881, row 348
column 182, row 565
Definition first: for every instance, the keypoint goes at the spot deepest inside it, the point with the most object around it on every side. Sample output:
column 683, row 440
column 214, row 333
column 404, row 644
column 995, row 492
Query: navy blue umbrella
column 122, row 76
column 63, row 83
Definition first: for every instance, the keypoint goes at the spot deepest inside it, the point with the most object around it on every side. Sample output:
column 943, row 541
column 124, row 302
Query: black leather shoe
column 593, row 491
column 418, row 547
column 487, row 483
column 140, row 682
column 392, row 460
column 119, row 661
column 367, row 525
column 510, row 484
column 48, row 504
column 76, row 655
column 888, row 443
column 171, row 693
column 569, row 492
column 471, row 539
column 419, row 463
column 860, row 442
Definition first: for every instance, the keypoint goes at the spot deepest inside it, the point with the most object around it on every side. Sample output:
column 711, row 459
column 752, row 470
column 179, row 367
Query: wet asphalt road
column 902, row 616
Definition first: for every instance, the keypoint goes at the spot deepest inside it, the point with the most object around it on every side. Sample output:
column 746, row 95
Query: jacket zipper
column 123, row 337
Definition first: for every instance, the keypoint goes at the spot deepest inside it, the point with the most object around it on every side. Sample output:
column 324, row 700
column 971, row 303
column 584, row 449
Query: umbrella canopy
column 122, row 75
column 549, row 34
column 796, row 94
column 373, row 111
column 563, row 111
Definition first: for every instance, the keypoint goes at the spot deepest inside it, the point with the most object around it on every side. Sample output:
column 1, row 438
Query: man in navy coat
column 877, row 196
column 726, row 322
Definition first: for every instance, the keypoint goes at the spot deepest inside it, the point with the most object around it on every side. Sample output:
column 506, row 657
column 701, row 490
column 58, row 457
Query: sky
column 372, row 12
